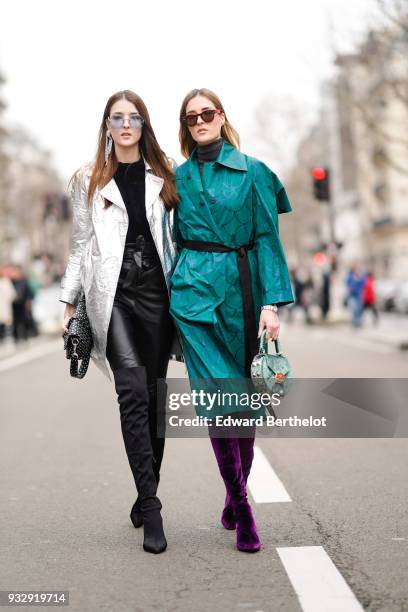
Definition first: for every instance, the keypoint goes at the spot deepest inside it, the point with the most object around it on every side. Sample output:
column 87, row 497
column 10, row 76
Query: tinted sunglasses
column 118, row 121
column 207, row 116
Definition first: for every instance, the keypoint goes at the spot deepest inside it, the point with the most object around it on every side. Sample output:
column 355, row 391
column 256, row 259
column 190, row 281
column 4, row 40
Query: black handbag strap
column 83, row 368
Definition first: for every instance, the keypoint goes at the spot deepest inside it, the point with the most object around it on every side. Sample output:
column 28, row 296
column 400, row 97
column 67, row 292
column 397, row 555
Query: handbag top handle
column 263, row 344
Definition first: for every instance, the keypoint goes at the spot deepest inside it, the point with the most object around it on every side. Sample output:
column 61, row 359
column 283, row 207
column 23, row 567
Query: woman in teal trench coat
column 217, row 292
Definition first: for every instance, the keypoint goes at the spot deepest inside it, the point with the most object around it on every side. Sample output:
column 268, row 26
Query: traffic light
column 319, row 258
column 321, row 183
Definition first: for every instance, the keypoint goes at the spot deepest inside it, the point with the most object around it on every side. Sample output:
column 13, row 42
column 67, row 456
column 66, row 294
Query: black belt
column 251, row 345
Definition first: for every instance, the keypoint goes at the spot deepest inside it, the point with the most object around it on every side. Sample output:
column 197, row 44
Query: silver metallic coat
column 97, row 247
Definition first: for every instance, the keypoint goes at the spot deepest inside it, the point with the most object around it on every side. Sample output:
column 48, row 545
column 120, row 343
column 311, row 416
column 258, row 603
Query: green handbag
column 270, row 373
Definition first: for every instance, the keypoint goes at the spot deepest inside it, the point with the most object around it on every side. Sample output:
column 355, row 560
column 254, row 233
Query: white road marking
column 30, row 354
column 263, row 483
column 318, row 583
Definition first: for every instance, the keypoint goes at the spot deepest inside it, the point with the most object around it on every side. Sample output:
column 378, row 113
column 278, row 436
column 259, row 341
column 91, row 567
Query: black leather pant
column 138, row 350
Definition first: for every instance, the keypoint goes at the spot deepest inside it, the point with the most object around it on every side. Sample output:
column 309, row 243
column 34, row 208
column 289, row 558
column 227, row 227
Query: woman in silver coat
column 122, row 255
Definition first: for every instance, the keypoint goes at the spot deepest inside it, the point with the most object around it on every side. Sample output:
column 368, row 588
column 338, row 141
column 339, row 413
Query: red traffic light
column 320, row 258
column 321, row 186
column 319, row 174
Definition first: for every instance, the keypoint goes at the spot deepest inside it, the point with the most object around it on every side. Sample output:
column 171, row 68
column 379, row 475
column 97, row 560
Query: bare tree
column 280, row 123
column 379, row 87
column 4, row 161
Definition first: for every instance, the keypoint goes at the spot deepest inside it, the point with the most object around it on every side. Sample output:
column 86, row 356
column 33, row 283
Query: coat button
column 213, row 200
column 201, row 203
column 189, row 177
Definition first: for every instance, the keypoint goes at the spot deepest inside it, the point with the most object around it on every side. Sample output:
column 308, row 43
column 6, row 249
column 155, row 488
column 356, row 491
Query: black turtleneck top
column 130, row 178
column 208, row 152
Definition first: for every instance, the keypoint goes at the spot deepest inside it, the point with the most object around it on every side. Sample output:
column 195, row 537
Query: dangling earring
column 108, row 146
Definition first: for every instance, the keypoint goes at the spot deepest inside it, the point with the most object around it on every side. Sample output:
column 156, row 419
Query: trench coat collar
column 153, row 185
column 228, row 156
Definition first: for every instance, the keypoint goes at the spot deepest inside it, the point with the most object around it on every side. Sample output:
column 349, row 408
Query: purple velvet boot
column 228, row 457
column 246, row 450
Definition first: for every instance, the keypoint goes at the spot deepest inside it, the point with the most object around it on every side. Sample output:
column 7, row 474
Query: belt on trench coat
column 244, row 269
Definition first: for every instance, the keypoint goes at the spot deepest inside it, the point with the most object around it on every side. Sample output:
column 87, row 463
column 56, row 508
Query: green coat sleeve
column 270, row 199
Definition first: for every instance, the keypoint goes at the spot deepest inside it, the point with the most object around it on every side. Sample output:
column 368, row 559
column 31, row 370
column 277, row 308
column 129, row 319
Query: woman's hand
column 68, row 312
column 270, row 320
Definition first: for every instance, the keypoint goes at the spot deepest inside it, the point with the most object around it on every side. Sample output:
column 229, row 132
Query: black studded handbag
column 78, row 341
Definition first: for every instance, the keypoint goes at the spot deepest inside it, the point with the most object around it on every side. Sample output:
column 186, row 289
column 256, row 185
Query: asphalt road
column 67, row 492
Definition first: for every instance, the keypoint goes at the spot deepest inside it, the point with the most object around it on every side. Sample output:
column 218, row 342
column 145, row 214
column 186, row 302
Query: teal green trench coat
column 237, row 198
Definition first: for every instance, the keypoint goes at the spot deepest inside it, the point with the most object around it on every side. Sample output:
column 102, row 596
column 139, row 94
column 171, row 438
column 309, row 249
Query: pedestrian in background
column 122, row 255
column 230, row 278
column 369, row 296
column 7, row 296
column 22, row 305
column 355, row 281
column 325, row 292
column 304, row 291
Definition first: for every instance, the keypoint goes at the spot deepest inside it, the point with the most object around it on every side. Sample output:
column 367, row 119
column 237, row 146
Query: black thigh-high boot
column 131, row 388
column 157, row 423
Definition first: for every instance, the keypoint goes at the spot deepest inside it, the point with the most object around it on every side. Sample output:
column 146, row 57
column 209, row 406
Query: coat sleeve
column 80, row 234
column 177, row 235
column 176, row 231
column 270, row 200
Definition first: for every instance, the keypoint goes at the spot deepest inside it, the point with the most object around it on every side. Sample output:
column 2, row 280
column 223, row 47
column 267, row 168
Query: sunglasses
column 118, row 121
column 207, row 116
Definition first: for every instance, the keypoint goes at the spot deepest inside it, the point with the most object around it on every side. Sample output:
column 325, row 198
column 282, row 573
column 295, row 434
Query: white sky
column 63, row 60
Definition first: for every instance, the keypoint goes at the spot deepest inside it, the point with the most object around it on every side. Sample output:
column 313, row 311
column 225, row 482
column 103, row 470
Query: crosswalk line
column 263, row 483
column 319, row 585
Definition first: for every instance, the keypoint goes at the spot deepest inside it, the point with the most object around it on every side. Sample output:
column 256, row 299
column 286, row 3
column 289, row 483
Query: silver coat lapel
column 154, row 186
column 111, row 192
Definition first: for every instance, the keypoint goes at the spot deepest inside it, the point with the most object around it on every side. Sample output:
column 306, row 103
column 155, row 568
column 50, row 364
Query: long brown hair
column 227, row 131
column 149, row 148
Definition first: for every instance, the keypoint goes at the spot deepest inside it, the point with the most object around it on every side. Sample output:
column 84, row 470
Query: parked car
column 386, row 291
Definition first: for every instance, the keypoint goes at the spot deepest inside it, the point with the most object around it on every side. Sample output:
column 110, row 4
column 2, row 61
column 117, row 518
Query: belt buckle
column 137, row 256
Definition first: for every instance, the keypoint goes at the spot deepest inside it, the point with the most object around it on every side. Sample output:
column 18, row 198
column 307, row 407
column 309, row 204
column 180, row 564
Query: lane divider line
column 319, row 585
column 263, row 483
